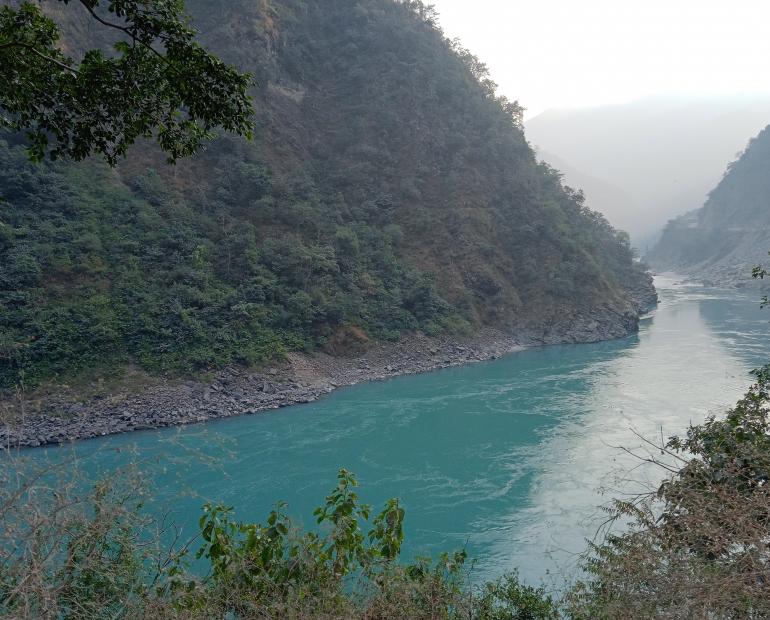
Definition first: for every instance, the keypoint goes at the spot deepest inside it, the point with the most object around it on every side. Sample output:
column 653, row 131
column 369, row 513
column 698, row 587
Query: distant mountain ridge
column 721, row 242
column 665, row 153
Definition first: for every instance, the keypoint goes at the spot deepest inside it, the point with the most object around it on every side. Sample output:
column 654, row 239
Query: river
column 506, row 458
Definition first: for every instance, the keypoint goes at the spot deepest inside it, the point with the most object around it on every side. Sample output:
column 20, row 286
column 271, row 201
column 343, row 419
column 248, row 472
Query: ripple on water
column 505, row 456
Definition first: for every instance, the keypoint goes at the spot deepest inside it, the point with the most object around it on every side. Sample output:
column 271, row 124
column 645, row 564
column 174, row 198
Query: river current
column 507, row 458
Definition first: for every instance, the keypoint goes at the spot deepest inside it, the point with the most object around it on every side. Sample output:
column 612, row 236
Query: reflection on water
column 684, row 367
column 505, row 457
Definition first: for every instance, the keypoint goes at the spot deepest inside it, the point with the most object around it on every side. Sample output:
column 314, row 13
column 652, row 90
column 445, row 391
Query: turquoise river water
column 506, row 458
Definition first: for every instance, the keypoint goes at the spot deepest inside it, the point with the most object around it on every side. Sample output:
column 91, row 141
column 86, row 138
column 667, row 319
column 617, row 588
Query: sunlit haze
column 564, row 54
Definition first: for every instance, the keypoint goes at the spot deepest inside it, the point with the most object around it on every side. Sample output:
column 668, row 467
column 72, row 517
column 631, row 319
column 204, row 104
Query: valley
column 255, row 253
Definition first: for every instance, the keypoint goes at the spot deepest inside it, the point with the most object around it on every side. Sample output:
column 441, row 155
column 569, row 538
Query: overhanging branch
column 124, row 30
column 39, row 54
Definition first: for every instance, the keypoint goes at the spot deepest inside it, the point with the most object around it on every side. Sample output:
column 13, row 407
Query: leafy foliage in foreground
column 157, row 81
column 63, row 559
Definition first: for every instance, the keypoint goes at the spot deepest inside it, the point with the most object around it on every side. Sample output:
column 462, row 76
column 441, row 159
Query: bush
column 697, row 546
column 70, row 554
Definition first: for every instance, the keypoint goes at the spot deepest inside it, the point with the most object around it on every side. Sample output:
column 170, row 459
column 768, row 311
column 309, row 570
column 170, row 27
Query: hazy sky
column 573, row 53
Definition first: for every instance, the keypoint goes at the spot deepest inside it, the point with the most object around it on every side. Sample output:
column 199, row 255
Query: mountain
column 665, row 153
column 600, row 195
column 730, row 234
column 387, row 191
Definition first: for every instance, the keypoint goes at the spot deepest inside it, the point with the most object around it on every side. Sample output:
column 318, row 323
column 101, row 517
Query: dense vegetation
column 730, row 233
column 696, row 547
column 96, row 274
column 387, row 189
column 156, row 81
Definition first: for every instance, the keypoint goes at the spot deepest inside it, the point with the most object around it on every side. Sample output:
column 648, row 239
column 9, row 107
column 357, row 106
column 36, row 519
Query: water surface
column 505, row 458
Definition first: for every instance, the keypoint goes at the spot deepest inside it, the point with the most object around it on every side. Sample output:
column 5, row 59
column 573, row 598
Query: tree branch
column 124, row 30
column 40, row 54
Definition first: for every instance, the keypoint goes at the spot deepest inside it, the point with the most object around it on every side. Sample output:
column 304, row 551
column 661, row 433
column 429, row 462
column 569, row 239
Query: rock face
column 301, row 379
column 643, row 295
column 720, row 243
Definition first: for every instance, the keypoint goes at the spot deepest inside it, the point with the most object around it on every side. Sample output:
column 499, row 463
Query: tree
column 158, row 83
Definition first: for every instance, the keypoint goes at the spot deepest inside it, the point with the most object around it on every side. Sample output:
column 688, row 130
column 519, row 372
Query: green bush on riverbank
column 68, row 557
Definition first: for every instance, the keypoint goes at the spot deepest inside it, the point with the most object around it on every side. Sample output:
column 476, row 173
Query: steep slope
column 730, row 234
column 387, row 191
column 608, row 199
column 665, row 153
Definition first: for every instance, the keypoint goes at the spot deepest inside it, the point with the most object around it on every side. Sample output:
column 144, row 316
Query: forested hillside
column 730, row 234
column 387, row 190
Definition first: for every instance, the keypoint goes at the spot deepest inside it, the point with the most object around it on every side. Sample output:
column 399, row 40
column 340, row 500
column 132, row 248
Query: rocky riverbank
column 725, row 276
column 300, row 379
